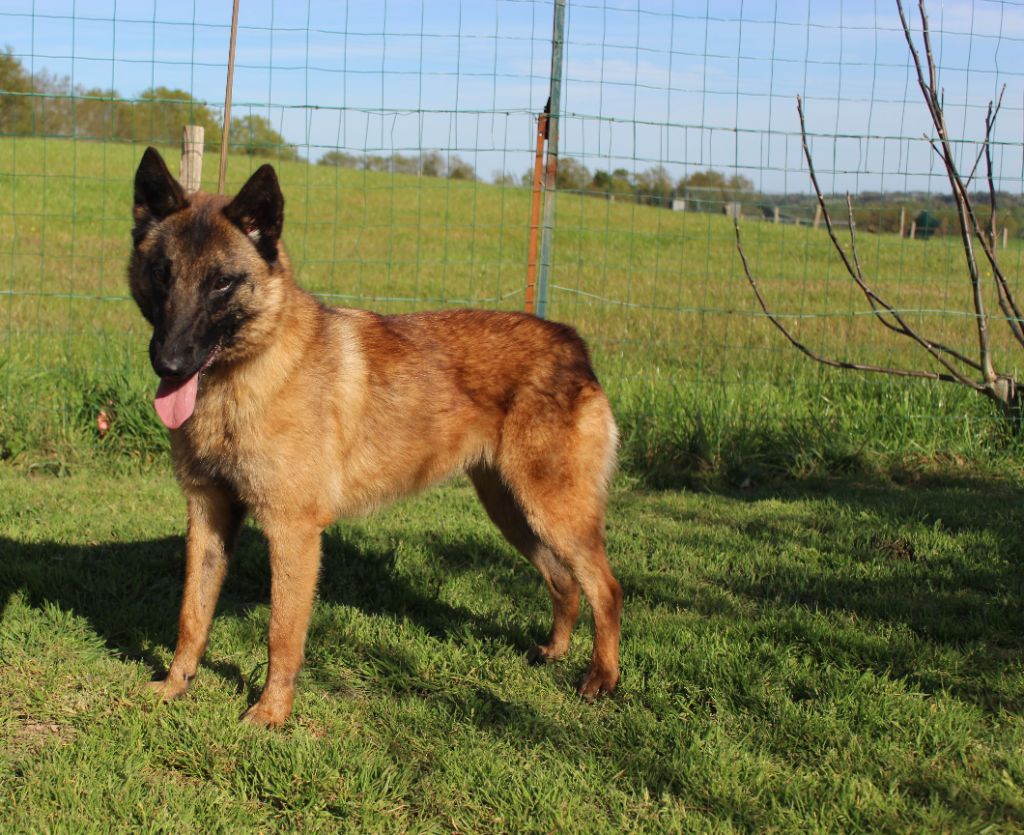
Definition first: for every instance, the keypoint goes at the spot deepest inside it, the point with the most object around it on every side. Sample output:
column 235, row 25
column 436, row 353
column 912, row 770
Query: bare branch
column 877, row 302
column 974, row 168
column 879, row 306
column 1006, row 301
column 1000, row 388
column 963, row 207
column 855, row 366
column 990, row 120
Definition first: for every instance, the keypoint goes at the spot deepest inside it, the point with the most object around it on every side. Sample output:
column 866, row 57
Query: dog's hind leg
column 559, row 477
column 579, row 544
column 505, row 512
column 214, row 518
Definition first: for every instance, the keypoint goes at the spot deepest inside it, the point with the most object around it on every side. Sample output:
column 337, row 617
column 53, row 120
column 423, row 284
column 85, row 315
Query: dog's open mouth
column 176, row 399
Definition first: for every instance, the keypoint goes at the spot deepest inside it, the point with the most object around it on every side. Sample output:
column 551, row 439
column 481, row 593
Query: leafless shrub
column 978, row 374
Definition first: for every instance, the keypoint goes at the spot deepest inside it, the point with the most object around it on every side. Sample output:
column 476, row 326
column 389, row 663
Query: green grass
column 704, row 387
column 843, row 655
column 828, row 638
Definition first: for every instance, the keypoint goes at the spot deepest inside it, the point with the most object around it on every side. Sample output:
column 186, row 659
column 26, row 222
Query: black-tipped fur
column 258, row 210
column 157, row 194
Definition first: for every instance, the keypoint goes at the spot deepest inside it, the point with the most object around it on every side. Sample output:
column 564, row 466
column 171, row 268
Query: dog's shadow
column 130, row 592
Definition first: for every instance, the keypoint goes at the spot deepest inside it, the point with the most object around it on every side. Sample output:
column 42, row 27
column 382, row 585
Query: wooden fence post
column 191, row 171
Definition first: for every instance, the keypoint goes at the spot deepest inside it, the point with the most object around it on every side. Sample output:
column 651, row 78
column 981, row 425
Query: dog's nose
column 173, row 366
column 169, row 362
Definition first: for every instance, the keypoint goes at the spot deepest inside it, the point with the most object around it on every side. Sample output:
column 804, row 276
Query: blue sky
column 689, row 84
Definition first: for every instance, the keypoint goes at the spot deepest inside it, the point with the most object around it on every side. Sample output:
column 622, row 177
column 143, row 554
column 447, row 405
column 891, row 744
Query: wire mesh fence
column 404, row 135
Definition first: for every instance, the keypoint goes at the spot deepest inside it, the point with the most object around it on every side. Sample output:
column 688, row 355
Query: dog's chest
column 218, row 445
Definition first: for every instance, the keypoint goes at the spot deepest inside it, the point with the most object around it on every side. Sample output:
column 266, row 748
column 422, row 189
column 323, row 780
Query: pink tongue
column 175, row 401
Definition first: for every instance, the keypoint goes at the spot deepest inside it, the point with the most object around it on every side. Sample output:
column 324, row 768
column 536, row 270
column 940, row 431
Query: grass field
column 700, row 382
column 828, row 634
column 844, row 656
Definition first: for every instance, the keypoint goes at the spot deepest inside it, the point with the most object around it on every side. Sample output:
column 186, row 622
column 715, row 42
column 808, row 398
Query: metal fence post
column 226, row 127
column 551, row 169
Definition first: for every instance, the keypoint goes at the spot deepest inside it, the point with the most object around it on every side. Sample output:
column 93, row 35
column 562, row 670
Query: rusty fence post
column 538, row 188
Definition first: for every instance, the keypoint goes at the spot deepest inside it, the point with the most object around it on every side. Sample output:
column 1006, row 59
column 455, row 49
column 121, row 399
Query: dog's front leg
column 294, row 567
column 214, row 517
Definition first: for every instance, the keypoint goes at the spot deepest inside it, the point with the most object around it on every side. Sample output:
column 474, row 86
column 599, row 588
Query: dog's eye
column 162, row 272
column 222, row 283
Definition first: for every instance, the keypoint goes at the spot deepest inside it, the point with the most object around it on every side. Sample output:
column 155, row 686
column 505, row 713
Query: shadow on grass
column 967, row 596
column 130, row 592
column 901, row 572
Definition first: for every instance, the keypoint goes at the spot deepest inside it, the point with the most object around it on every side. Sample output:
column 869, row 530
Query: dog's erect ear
column 258, row 210
column 157, row 194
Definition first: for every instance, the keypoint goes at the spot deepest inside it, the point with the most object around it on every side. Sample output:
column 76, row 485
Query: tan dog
column 300, row 414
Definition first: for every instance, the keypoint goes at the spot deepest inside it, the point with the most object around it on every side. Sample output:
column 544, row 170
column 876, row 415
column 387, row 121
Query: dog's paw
column 597, row 681
column 543, row 654
column 263, row 716
column 166, row 689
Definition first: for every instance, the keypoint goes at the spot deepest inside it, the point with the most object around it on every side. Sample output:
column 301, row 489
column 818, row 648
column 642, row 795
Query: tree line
column 426, row 163
column 933, row 214
column 43, row 104
column 654, row 186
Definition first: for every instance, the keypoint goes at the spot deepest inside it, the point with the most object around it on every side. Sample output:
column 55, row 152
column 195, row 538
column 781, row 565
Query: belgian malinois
column 301, row 414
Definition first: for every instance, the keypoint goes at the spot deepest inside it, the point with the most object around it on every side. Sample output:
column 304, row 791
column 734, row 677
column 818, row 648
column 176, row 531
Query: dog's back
column 449, row 391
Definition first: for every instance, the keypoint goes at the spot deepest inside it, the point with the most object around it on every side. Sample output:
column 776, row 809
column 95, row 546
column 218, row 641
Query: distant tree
column 459, row 169
column 99, row 114
column 618, row 183
column 400, row 164
column 503, row 178
column 339, row 159
column 738, row 185
column 653, row 186
column 716, row 185
column 52, row 110
column 601, row 181
column 15, row 105
column 432, row 164
column 703, row 179
column 255, row 136
column 160, row 114
column 374, row 162
column 32, row 104
column 572, row 175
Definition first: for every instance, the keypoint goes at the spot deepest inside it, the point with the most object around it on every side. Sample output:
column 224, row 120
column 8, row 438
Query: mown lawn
column 843, row 655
